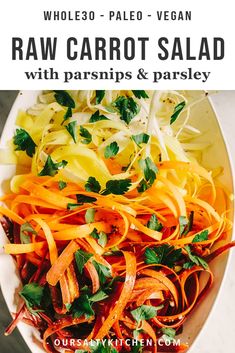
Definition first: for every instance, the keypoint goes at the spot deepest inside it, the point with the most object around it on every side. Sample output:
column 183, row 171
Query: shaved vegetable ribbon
column 111, row 244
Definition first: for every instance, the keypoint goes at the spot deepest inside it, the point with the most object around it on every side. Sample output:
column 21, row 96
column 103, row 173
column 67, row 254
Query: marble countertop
column 217, row 335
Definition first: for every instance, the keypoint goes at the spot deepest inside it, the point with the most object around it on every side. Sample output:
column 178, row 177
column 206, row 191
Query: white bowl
column 203, row 117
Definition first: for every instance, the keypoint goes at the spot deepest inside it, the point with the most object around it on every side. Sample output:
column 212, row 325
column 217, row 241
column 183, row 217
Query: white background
column 209, row 19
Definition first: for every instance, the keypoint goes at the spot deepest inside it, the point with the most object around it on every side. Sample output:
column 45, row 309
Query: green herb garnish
column 102, row 239
column 145, row 312
column 64, row 99
column 81, row 258
column 137, row 347
column 98, row 296
column 51, row 168
column 62, row 184
column 111, row 150
column 82, row 306
column 32, row 294
column 186, row 224
column 143, row 186
column 140, row 138
column 67, row 115
column 183, row 222
column 81, row 199
column 24, row 229
column 94, row 234
column 99, row 96
column 97, row 117
column 103, row 272
column 71, row 128
column 92, row 185
column 140, row 94
column 164, row 254
column 90, row 215
column 194, row 259
column 149, row 169
column 117, row 187
column 127, row 108
column 87, row 138
column 154, row 224
column 168, row 333
column 72, row 206
column 24, row 142
column 201, row 236
column 101, row 236
column 177, row 110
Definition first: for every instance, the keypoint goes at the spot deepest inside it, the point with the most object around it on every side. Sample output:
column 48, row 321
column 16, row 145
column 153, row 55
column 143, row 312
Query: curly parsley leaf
column 24, row 142
column 164, row 254
column 97, row 117
column 71, row 128
column 177, row 110
column 81, row 258
column 87, row 138
column 90, row 215
column 64, row 99
column 140, row 94
column 194, row 259
column 140, row 138
column 32, row 294
column 201, row 236
column 99, row 96
column 145, row 312
column 51, row 168
column 127, row 108
column 154, row 224
column 62, row 184
column 24, row 229
column 117, row 187
column 149, row 169
column 92, row 185
column 111, row 150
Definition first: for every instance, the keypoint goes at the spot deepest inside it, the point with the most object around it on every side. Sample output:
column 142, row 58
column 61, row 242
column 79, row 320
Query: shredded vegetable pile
column 111, row 219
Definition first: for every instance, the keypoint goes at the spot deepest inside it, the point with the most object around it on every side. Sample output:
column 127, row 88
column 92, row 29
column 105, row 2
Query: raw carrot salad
column 111, row 219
